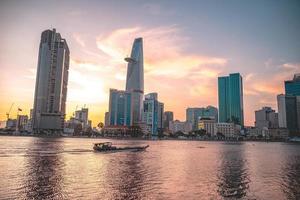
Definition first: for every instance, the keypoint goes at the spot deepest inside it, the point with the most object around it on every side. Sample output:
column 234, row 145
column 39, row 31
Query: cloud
column 163, row 51
column 89, row 66
column 261, row 88
column 85, row 88
column 78, row 38
column 179, row 77
column 291, row 66
column 120, row 76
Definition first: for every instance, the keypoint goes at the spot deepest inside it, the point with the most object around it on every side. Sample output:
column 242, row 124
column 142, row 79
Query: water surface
column 68, row 168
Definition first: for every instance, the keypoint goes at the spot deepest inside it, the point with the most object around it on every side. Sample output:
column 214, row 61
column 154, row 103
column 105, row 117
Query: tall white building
column 51, row 83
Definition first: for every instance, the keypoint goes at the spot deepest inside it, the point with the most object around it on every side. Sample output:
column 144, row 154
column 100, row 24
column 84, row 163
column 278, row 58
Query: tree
column 220, row 135
column 100, row 125
column 135, row 131
column 200, row 132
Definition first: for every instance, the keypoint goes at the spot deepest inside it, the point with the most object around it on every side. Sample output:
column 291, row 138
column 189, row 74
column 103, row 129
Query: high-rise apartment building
column 230, row 93
column 51, row 83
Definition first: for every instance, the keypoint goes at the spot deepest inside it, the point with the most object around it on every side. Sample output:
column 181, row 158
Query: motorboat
column 108, row 147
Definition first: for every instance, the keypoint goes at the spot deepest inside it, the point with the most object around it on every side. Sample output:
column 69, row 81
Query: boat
column 108, row 147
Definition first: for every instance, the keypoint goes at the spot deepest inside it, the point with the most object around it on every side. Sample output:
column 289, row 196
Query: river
column 68, row 168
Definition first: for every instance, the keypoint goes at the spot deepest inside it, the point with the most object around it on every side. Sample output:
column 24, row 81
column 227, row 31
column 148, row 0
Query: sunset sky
column 187, row 45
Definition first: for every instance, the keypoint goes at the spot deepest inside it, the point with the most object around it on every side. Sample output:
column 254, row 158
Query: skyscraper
column 281, row 111
column 292, row 87
column 120, row 108
column 152, row 114
column 289, row 113
column 135, row 79
column 51, row 83
column 230, row 92
column 289, row 106
column 168, row 116
column 160, row 125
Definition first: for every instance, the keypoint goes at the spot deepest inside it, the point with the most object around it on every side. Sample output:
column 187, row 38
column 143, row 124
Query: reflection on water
column 291, row 177
column 128, row 181
column 43, row 179
column 233, row 174
column 67, row 168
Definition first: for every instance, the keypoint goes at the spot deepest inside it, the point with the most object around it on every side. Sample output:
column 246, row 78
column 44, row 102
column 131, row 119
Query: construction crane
column 7, row 113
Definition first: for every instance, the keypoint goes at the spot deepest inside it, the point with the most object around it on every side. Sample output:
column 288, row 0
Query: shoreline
column 148, row 139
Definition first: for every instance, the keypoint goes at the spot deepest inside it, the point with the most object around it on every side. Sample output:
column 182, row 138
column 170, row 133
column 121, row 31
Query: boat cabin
column 103, row 146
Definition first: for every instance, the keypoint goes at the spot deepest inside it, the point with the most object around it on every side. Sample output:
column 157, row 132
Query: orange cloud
column 177, row 75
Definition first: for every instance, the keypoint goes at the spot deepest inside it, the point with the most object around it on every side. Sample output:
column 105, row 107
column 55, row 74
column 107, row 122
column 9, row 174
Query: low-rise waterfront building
column 229, row 130
column 193, row 114
column 207, row 124
column 22, row 120
column 11, row 124
column 176, row 126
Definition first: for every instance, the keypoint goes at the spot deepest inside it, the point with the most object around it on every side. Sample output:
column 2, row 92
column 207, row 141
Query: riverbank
column 147, row 139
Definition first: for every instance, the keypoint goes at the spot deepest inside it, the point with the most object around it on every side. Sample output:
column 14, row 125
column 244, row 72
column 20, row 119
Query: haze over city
column 186, row 47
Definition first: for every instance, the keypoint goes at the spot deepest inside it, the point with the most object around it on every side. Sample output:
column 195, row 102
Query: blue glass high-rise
column 120, row 110
column 230, row 93
column 292, row 87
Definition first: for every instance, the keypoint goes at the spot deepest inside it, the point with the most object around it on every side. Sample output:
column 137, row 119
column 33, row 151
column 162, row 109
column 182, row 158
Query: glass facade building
column 135, row 79
column 230, row 93
column 193, row 114
column 292, row 87
column 120, row 108
column 152, row 113
column 168, row 116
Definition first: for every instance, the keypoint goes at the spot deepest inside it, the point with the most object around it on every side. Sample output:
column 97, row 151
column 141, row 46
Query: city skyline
column 182, row 68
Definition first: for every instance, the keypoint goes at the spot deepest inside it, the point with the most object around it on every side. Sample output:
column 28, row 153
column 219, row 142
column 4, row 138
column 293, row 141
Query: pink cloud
column 181, row 79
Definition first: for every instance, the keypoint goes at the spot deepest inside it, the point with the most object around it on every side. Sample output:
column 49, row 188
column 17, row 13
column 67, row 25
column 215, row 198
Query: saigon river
column 68, row 168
